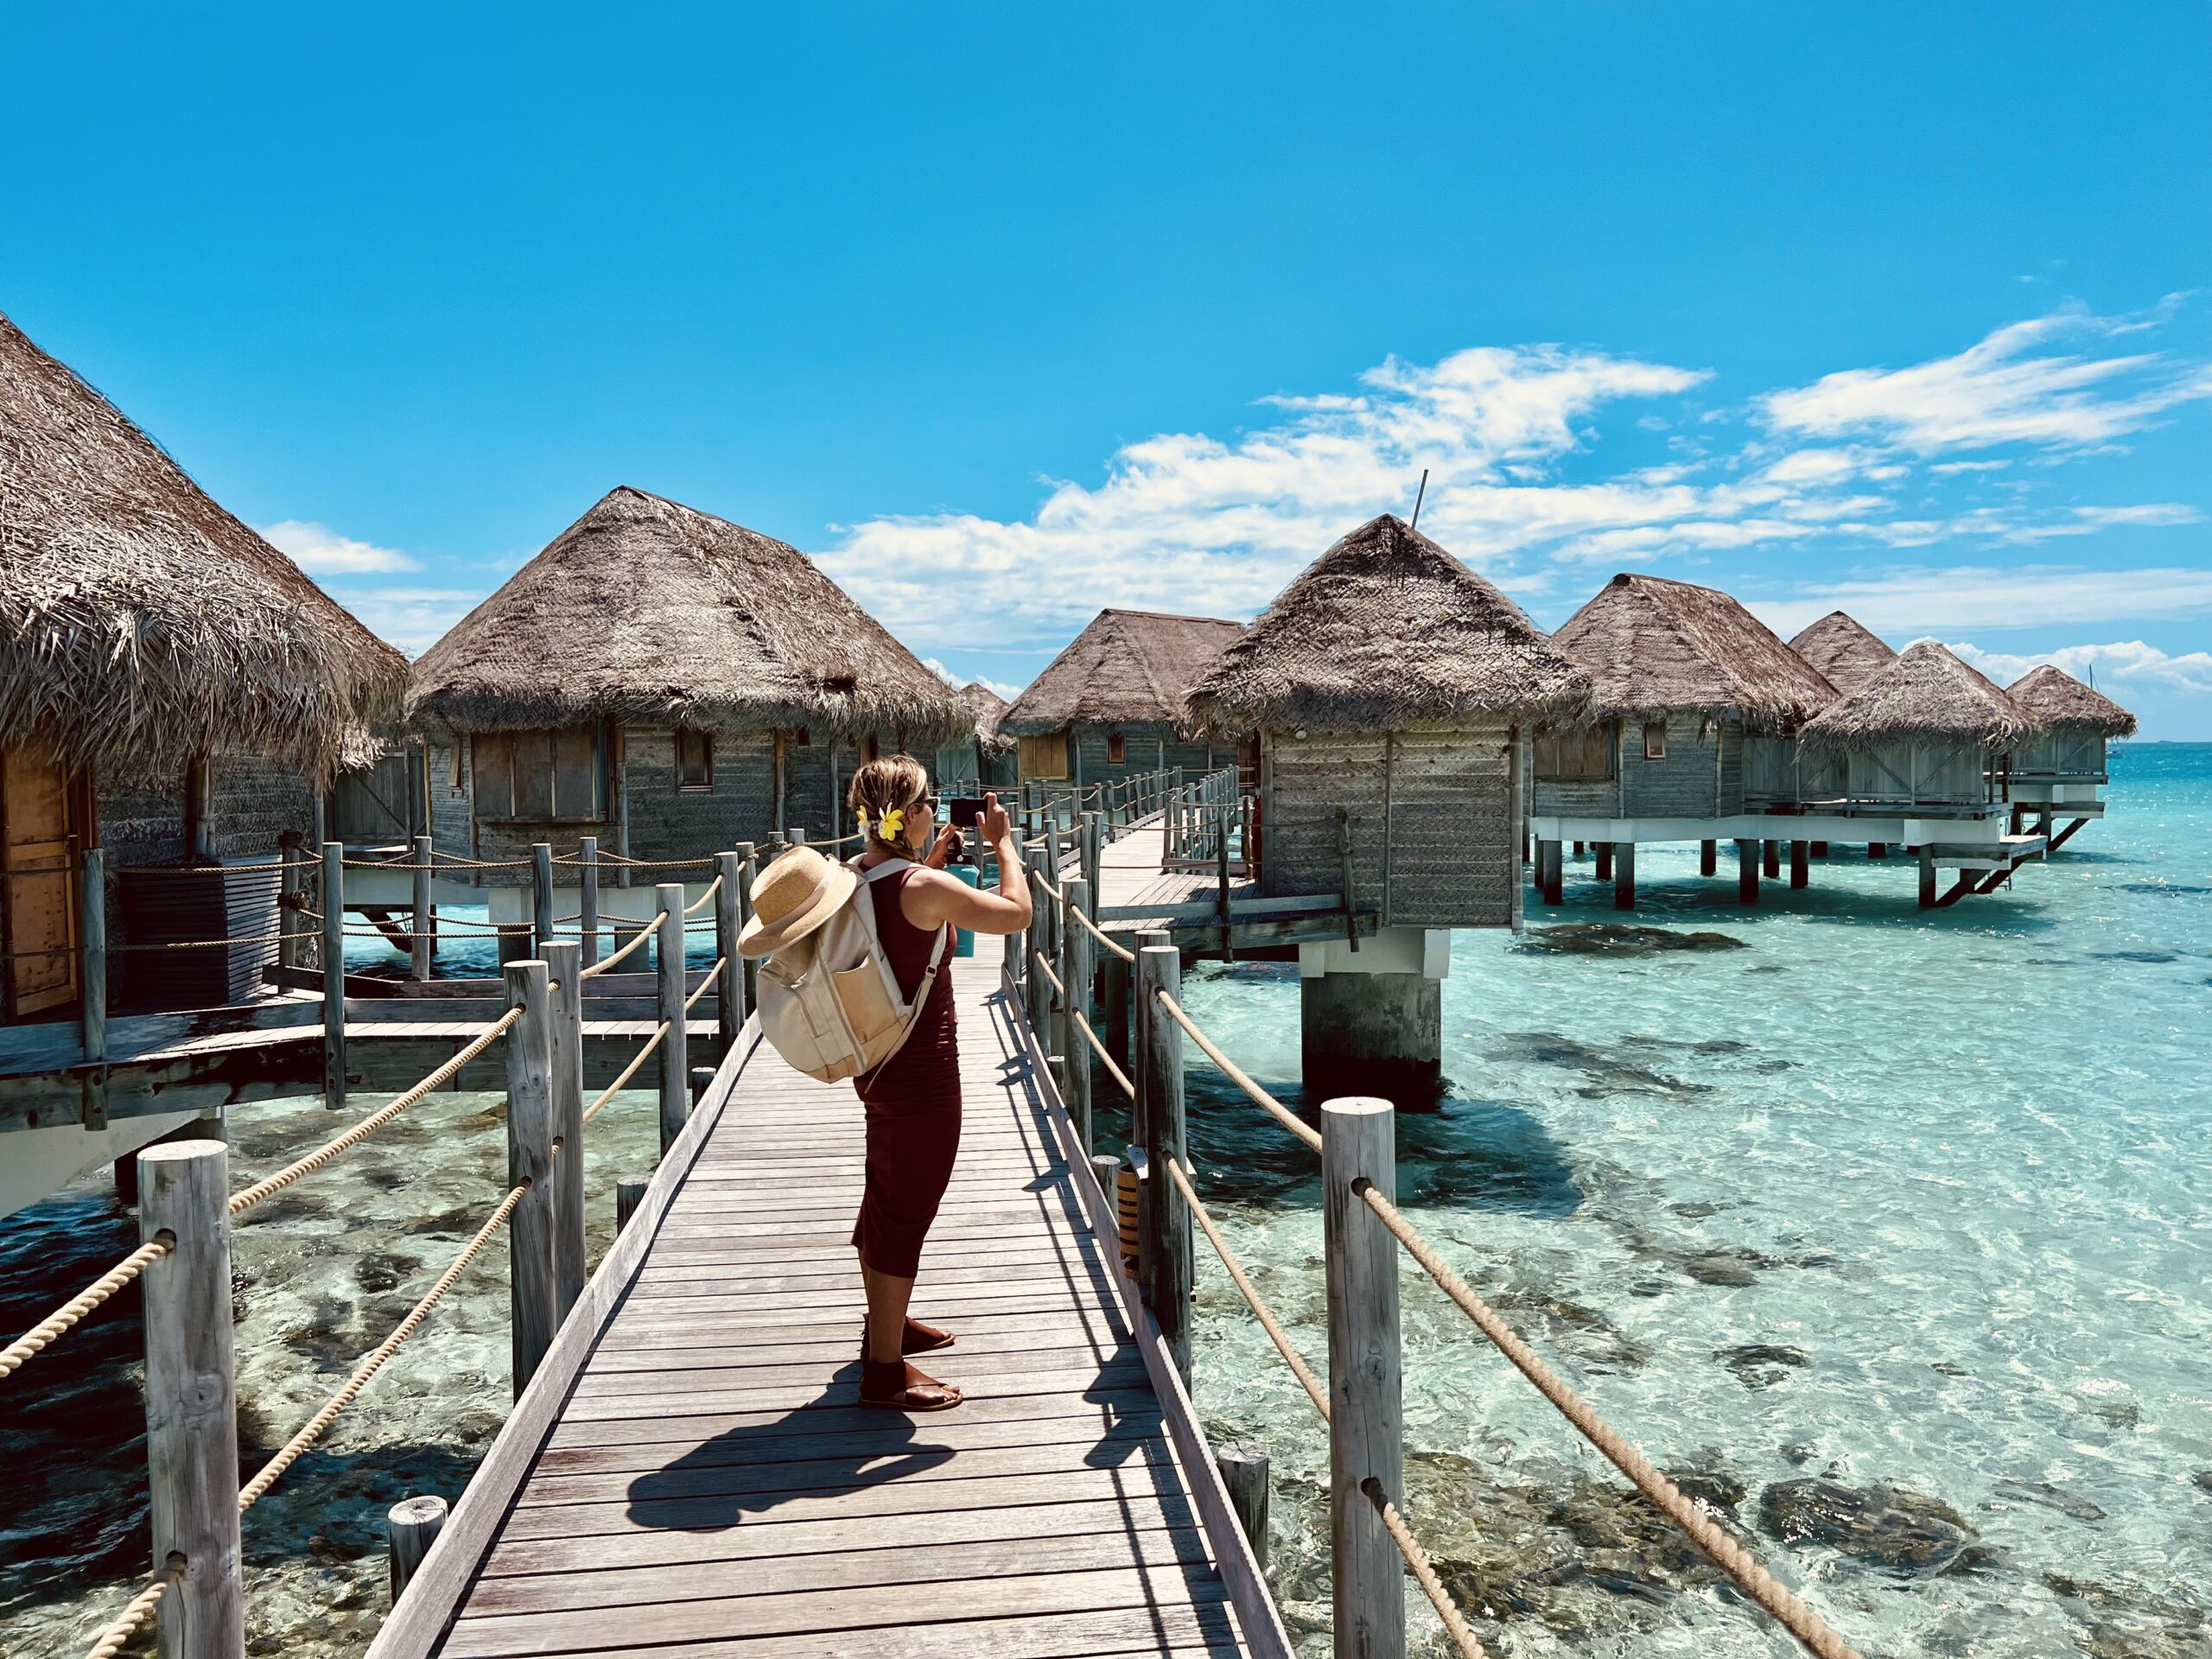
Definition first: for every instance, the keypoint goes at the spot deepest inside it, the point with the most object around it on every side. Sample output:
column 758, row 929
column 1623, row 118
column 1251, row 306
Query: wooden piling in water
column 334, row 975
column 1159, row 968
column 533, row 1305
column 422, row 943
column 1243, row 1465
column 565, row 1055
column 1801, row 869
column 1366, row 1431
column 1770, row 859
column 1624, row 875
column 1747, row 871
column 1708, row 857
column 675, row 1053
column 629, row 1192
column 1604, row 850
column 192, row 1435
column 1927, row 879
column 410, row 1527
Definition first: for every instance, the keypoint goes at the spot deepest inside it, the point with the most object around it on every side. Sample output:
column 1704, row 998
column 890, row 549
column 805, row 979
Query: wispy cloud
column 321, row 551
column 1901, row 601
column 1997, row 391
column 413, row 619
column 2129, row 661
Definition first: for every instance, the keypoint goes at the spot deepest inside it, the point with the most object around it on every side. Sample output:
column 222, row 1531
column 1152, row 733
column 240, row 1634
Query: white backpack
column 830, row 1001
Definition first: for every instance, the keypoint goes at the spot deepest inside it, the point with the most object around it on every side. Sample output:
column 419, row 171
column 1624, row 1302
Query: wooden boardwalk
column 690, row 1474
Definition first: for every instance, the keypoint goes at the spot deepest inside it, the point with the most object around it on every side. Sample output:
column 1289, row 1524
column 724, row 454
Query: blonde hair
column 882, row 787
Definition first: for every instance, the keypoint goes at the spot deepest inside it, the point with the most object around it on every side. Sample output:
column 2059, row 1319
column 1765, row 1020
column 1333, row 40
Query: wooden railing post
column 729, row 978
column 1243, row 1465
column 750, row 971
column 1167, row 1218
column 533, row 1309
column 1075, row 1013
column 192, row 1422
column 411, row 1526
column 629, row 1193
column 675, row 1053
column 564, row 968
column 419, row 944
column 541, row 896
column 1221, row 877
column 1365, row 1411
column 289, row 922
column 1040, row 935
column 588, row 897
column 334, row 975
column 92, row 985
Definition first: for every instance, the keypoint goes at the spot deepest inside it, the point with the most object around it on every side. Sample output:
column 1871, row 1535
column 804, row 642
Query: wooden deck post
column 729, row 977
column 1159, row 968
column 334, row 975
column 588, row 897
column 421, row 943
column 1365, row 1410
column 564, row 968
column 1623, row 875
column 92, row 984
column 289, row 922
column 410, row 1527
column 629, row 1192
column 192, row 1422
column 1800, row 871
column 1243, row 1465
column 541, row 896
column 674, row 1054
column 533, row 1309
column 1747, row 871
column 1708, row 857
column 749, row 972
column 1075, row 973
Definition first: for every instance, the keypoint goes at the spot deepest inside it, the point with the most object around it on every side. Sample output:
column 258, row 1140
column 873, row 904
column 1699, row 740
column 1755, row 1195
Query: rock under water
column 1623, row 938
column 1888, row 1526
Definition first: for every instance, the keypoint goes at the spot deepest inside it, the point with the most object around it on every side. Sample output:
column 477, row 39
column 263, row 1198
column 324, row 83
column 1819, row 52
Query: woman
column 912, row 1099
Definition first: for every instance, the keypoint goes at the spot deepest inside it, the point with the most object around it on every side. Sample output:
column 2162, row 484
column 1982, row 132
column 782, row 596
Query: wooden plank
column 1101, row 1405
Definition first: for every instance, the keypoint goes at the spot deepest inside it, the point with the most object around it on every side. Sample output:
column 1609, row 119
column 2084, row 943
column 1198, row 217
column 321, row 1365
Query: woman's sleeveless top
column 926, row 1070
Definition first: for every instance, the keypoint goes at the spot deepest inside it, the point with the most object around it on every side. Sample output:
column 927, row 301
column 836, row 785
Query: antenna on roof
column 1418, row 496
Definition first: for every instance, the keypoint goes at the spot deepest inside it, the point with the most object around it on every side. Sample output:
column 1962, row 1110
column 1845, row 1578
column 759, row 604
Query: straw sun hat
column 795, row 894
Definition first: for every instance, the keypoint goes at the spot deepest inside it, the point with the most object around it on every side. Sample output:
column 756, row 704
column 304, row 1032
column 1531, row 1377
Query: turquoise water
column 1850, row 1194
column 1856, row 1193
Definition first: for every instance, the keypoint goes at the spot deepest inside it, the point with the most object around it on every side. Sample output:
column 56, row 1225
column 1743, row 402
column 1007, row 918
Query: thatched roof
column 1845, row 651
column 1128, row 668
column 985, row 707
column 1385, row 630
column 140, row 624
column 644, row 610
column 1654, row 647
column 1927, row 696
column 2054, row 701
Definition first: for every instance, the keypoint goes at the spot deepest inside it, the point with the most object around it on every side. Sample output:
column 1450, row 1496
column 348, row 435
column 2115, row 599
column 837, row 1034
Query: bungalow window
column 459, row 777
column 1575, row 756
column 695, row 761
column 537, row 776
column 800, row 737
column 1045, row 757
column 1655, row 739
column 868, row 748
column 1117, row 749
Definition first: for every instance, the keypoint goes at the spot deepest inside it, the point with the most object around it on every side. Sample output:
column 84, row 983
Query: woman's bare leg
column 888, row 1299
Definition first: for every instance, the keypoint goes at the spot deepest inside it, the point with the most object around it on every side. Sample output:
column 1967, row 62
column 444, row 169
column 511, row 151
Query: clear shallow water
column 1871, row 1196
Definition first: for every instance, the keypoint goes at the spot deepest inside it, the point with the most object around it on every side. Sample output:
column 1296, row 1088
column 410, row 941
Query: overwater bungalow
column 1392, row 690
column 1696, row 707
column 176, row 696
column 2058, row 764
column 985, row 757
column 1111, row 705
column 664, row 682
column 1923, row 747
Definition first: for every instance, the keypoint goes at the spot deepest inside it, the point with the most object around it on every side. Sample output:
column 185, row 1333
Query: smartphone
column 964, row 812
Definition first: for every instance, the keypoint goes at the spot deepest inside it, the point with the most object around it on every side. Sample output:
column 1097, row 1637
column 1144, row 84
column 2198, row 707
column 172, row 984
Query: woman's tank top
column 926, row 1070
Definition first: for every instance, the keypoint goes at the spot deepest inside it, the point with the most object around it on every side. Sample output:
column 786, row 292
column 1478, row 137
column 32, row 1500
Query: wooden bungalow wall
column 1701, row 777
column 1433, row 841
column 1144, row 748
column 2078, row 755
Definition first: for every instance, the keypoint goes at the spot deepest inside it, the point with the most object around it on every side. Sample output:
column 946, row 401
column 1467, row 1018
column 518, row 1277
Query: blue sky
column 1008, row 312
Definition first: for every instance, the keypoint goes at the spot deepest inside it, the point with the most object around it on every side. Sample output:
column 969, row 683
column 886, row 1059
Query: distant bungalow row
column 174, row 690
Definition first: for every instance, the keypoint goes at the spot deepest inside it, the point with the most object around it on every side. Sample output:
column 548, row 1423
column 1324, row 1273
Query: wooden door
column 38, row 885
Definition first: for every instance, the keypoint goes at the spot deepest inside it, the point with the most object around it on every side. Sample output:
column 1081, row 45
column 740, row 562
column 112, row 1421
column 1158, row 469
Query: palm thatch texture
column 2054, row 701
column 1845, row 651
column 1127, row 668
column 1386, row 630
column 140, row 624
column 1927, row 696
column 647, row 611
column 1654, row 647
column 986, row 708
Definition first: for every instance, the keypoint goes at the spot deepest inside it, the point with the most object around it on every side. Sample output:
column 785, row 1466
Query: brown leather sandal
column 894, row 1385
column 916, row 1338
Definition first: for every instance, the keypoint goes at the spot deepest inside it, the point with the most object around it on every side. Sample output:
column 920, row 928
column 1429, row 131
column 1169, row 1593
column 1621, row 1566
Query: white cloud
column 413, row 619
column 320, row 552
column 1994, row 393
column 1902, row 602
column 2129, row 661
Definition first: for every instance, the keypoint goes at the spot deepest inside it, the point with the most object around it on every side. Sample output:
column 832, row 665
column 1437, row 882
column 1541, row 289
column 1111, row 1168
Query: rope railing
column 706, row 984
column 244, row 1201
column 285, row 1458
column 1455, row 1624
column 113, row 1639
column 1051, row 978
column 58, row 1322
column 629, row 1071
column 705, row 898
column 1093, row 928
column 1253, row 1299
column 1120, row 1077
column 1235, row 1074
column 645, row 930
